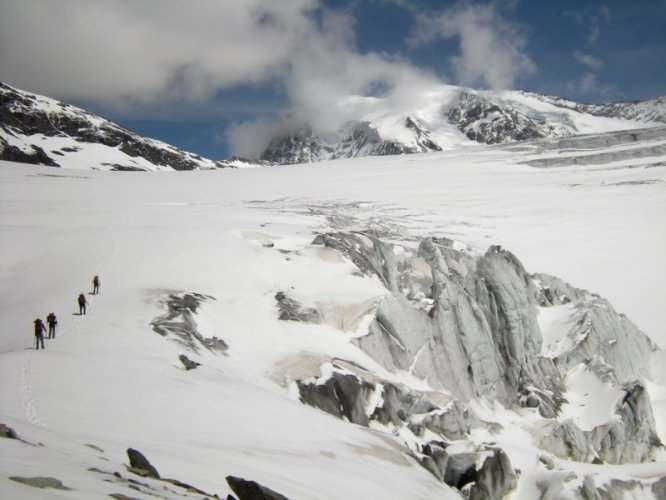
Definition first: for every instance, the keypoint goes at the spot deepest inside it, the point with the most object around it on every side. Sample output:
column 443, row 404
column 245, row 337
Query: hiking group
column 52, row 320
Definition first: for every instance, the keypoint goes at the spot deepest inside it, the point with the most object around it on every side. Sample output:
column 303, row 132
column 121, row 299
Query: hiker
column 95, row 284
column 52, row 321
column 82, row 303
column 39, row 333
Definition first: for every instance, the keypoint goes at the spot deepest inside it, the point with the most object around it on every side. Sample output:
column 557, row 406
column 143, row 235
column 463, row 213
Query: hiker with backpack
column 82, row 304
column 39, row 333
column 95, row 285
column 52, row 321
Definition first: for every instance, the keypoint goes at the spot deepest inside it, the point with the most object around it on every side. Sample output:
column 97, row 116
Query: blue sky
column 211, row 76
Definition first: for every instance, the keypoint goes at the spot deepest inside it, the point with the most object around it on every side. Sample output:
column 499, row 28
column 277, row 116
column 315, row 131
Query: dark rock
column 342, row 395
column 484, row 121
column 424, row 137
column 304, row 145
column 552, row 291
column 188, row 363
column 251, row 490
column 189, row 488
column 35, row 155
column 7, row 432
column 490, row 480
column 41, row 482
column 435, row 459
column 178, row 323
column 299, row 146
column 495, row 478
column 140, row 465
column 292, row 310
column 659, row 488
column 20, row 114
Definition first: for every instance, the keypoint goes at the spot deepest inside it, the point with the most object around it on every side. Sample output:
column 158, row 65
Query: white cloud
column 603, row 16
column 128, row 53
column 588, row 85
column 588, row 60
column 123, row 50
column 492, row 49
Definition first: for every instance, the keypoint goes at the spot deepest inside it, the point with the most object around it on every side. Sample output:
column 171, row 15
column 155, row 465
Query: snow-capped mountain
column 451, row 117
column 40, row 130
column 355, row 140
column 651, row 110
column 329, row 336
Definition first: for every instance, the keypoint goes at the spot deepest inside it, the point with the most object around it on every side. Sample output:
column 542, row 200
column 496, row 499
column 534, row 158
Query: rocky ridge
column 651, row 110
column 39, row 130
column 351, row 141
column 481, row 117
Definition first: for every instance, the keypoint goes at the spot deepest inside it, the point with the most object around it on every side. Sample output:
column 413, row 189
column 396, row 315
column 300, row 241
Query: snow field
column 242, row 236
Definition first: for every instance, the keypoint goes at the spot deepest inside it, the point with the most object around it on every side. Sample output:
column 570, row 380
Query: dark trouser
column 51, row 330
column 39, row 337
column 95, row 289
column 82, row 308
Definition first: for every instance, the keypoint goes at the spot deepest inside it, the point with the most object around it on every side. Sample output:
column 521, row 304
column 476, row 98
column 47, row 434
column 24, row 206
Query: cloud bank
column 149, row 50
column 492, row 49
column 126, row 54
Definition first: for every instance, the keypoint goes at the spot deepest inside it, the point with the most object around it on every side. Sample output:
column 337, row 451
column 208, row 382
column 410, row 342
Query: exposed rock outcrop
column 350, row 392
column 354, row 139
column 7, row 432
column 27, row 119
column 484, row 121
column 291, row 310
column 140, row 465
column 251, row 490
column 188, row 363
column 179, row 323
column 41, row 482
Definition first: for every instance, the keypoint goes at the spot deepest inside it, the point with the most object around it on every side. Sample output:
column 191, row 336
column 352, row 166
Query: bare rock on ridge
column 140, row 465
column 251, row 490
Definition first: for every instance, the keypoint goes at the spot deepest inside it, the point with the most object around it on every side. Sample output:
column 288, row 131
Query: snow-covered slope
column 431, row 361
column 39, row 130
column 652, row 110
column 449, row 117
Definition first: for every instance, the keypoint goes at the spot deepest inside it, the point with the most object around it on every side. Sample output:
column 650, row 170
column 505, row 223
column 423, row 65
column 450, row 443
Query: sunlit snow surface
column 240, row 236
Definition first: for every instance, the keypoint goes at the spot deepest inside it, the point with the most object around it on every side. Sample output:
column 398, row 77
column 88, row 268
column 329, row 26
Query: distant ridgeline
column 39, row 130
column 463, row 117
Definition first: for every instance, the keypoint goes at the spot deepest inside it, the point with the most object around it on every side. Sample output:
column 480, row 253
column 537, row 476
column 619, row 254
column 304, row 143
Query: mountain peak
column 455, row 117
column 40, row 130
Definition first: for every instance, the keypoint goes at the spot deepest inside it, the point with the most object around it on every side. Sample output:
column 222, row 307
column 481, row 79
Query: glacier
column 484, row 322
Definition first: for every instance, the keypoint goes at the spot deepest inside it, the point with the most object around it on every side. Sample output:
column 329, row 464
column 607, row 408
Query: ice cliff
column 469, row 327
